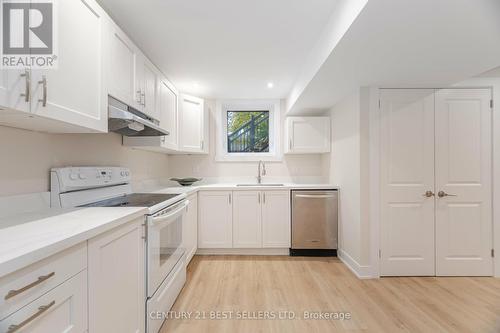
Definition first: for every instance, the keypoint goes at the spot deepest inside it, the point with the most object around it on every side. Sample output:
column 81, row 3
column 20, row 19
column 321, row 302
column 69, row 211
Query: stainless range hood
column 128, row 121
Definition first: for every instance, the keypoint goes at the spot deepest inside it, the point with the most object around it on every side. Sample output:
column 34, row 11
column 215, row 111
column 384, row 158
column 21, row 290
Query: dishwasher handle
column 316, row 196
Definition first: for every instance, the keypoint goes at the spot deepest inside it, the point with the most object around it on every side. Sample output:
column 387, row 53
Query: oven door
column 164, row 243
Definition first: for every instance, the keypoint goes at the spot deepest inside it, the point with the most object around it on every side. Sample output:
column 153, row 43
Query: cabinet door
column 247, row 223
column 150, row 85
column 276, row 231
column 192, row 124
column 121, row 74
column 73, row 93
column 117, row 280
column 308, row 135
column 215, row 228
column 168, row 114
column 61, row 310
column 190, row 228
column 14, row 85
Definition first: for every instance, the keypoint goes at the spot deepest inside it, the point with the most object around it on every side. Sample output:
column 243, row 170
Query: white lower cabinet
column 244, row 219
column 215, row 227
column 247, row 219
column 190, row 228
column 61, row 310
column 117, row 280
column 276, row 220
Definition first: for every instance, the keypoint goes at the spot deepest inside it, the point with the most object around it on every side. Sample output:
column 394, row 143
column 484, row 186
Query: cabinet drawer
column 63, row 309
column 25, row 285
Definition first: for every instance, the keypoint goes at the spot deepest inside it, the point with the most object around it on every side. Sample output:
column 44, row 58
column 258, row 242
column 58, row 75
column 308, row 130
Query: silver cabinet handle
column 443, row 194
column 229, row 198
column 139, row 96
column 43, row 82
column 290, row 144
column 258, row 197
column 27, row 89
column 264, row 197
column 314, row 196
column 41, row 310
column 40, row 279
column 428, row 194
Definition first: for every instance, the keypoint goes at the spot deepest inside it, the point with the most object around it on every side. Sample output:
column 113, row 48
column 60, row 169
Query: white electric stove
column 110, row 187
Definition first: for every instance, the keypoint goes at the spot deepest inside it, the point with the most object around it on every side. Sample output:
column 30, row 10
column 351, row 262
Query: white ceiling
column 225, row 48
column 395, row 43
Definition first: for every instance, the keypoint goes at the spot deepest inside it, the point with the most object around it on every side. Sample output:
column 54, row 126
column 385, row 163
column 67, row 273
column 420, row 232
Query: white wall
column 296, row 168
column 347, row 166
column 26, row 158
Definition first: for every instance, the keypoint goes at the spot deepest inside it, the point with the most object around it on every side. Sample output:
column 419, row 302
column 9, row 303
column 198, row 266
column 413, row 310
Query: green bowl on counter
column 186, row 181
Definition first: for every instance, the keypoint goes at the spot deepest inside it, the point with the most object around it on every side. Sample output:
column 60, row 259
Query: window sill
column 248, row 158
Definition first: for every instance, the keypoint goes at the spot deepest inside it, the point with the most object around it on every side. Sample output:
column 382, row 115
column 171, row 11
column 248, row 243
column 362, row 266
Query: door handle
column 428, row 194
column 43, row 82
column 27, row 91
column 443, row 194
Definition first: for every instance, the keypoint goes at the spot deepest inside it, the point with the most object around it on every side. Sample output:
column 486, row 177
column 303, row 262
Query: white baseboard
column 362, row 272
column 245, row 252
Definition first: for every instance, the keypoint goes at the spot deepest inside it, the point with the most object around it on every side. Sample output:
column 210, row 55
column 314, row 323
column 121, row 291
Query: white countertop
column 31, row 237
column 232, row 186
column 28, row 238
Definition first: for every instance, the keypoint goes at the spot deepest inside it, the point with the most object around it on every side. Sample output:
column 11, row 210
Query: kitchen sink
column 242, row 185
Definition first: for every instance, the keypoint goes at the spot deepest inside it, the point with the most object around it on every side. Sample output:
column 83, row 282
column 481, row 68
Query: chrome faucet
column 259, row 174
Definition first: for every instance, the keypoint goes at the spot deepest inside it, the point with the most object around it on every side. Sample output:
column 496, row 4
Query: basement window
column 248, row 130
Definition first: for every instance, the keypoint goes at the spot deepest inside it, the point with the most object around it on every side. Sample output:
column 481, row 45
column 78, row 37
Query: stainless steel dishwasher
column 314, row 222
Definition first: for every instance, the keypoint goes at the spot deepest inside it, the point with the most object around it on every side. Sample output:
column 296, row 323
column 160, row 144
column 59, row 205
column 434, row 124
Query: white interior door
column 463, row 170
column 407, row 173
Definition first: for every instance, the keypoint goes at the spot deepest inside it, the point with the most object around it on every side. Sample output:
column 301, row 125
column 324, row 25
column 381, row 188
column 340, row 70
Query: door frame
column 374, row 114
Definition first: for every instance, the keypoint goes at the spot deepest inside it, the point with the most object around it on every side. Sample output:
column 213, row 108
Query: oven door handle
column 164, row 220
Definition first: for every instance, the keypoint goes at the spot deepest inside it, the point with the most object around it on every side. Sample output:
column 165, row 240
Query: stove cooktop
column 134, row 200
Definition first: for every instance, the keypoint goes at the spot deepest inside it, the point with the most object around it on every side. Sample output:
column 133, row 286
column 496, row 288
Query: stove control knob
column 73, row 176
column 82, row 176
column 122, row 173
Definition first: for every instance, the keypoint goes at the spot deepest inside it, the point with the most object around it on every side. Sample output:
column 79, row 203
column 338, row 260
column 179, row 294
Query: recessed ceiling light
column 270, row 85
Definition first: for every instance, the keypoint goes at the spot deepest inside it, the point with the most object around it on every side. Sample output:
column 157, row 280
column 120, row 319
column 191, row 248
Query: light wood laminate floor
column 240, row 286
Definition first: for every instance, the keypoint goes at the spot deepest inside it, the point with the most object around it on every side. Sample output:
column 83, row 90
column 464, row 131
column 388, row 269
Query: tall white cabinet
column 436, row 198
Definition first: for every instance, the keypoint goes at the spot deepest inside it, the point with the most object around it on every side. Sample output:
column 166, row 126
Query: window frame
column 274, row 108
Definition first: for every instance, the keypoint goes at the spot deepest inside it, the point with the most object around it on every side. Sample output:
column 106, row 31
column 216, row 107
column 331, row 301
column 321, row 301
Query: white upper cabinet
column 167, row 105
column 193, row 125
column 307, row 135
column 151, row 77
column 121, row 81
column 69, row 98
column 73, row 93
